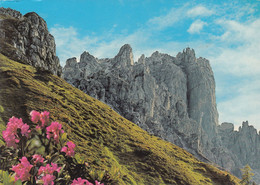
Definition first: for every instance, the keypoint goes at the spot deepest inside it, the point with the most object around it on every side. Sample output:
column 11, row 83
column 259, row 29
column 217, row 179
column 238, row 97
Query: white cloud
column 175, row 15
column 240, row 32
column 68, row 42
column 196, row 26
column 199, row 11
column 241, row 108
column 238, row 57
column 244, row 58
column 169, row 19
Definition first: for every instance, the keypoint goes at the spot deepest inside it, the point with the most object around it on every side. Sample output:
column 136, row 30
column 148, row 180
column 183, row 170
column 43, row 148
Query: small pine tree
column 246, row 175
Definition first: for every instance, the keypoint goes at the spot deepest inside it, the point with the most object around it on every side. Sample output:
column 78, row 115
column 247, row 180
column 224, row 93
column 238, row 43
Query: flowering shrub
column 43, row 117
column 37, row 158
column 69, row 150
column 45, row 156
column 48, row 179
column 15, row 127
column 81, row 181
column 49, row 169
column 22, row 170
column 54, row 131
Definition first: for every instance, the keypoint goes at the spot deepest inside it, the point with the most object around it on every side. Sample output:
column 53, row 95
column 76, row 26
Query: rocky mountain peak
column 244, row 143
column 247, row 128
column 189, row 51
column 26, row 39
column 35, row 20
column 87, row 59
column 226, row 127
column 141, row 60
column 155, row 54
column 186, row 56
column 71, row 62
column 245, row 124
column 127, row 49
column 86, row 56
column 125, row 56
column 10, row 12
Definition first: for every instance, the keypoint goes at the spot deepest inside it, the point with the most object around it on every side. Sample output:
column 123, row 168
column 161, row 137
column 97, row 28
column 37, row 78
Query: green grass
column 103, row 138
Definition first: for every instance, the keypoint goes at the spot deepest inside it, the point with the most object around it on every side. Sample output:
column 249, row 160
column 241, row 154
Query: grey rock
column 170, row 97
column 10, row 12
column 154, row 93
column 26, row 39
column 244, row 143
column 72, row 72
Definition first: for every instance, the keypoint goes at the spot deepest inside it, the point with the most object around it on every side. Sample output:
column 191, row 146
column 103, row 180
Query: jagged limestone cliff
column 170, row 97
column 26, row 39
column 245, row 143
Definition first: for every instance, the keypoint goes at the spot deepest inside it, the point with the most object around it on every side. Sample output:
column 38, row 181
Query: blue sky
column 225, row 32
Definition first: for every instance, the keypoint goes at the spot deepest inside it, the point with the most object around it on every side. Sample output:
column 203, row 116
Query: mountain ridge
column 171, row 97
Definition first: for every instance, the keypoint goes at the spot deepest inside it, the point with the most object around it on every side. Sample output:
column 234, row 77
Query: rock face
column 157, row 103
column 26, row 39
column 244, row 143
column 170, row 97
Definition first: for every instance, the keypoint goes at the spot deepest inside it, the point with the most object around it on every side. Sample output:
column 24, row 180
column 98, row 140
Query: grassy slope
column 104, row 138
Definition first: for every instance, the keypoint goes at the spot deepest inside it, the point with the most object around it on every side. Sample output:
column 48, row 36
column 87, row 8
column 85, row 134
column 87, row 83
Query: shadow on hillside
column 42, row 75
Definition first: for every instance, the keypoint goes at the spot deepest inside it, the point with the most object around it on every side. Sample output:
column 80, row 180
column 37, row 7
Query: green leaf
column 59, row 179
column 1, row 109
column 55, row 158
column 19, row 182
column 79, row 159
column 61, row 170
column 1, row 174
column 64, row 137
column 5, row 177
column 100, row 175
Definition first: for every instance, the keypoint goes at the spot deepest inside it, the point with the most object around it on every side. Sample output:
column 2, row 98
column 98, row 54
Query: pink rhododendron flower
column 10, row 135
column 70, row 149
column 38, row 158
column 54, row 131
column 37, row 128
column 48, row 179
column 49, row 169
column 43, row 117
column 22, row 170
column 81, row 181
column 35, row 116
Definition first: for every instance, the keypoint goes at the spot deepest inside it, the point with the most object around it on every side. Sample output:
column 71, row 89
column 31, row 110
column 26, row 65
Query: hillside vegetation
column 104, row 139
